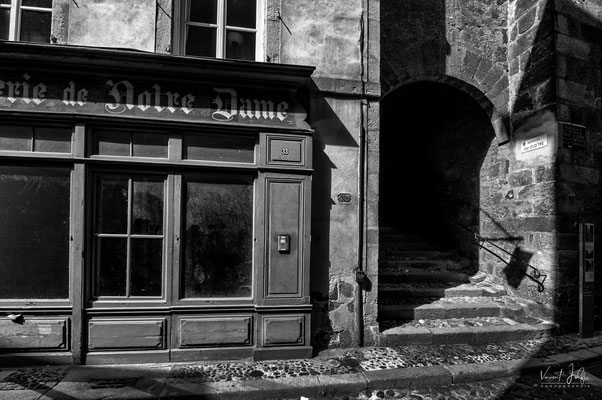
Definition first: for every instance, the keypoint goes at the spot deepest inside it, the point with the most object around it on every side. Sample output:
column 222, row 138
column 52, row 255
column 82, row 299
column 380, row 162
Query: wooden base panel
column 222, row 354
column 34, row 359
column 281, row 353
column 129, row 357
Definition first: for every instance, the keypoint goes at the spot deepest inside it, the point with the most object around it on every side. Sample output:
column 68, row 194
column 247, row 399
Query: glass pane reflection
column 35, row 26
column 112, row 266
column 218, row 239
column 113, row 205
column 34, row 232
column 201, row 41
column 146, row 267
column 147, row 208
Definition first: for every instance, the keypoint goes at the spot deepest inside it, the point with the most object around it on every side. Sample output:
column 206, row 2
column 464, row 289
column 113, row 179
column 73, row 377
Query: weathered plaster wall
column 324, row 34
column 163, row 26
column 334, row 223
column 60, row 21
column 329, row 35
column 113, row 23
column 579, row 89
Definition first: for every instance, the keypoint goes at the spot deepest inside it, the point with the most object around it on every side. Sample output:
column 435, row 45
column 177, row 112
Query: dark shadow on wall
column 516, row 269
column 329, row 131
column 413, row 40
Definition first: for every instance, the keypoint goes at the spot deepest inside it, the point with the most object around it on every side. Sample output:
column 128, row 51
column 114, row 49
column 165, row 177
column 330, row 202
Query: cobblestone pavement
column 380, row 358
column 525, row 387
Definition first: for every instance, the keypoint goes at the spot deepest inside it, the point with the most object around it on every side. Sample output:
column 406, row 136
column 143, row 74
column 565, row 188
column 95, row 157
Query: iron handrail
column 535, row 274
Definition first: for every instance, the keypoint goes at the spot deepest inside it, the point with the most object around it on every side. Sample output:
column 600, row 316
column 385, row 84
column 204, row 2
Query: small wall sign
column 344, row 198
column 572, row 136
column 534, row 144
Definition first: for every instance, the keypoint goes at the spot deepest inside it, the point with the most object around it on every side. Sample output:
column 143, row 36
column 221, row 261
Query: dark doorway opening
column 434, row 139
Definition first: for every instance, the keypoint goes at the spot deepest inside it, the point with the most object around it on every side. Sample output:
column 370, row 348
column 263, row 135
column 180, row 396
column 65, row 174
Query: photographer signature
column 571, row 374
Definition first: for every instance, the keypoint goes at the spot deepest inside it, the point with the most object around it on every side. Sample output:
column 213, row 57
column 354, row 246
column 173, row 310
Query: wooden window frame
column 67, row 161
column 14, row 27
column 95, row 275
column 181, row 22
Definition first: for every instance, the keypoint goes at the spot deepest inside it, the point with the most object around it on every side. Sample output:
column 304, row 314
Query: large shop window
column 34, row 232
column 136, row 217
column 166, row 216
column 26, row 20
column 221, row 28
column 218, row 239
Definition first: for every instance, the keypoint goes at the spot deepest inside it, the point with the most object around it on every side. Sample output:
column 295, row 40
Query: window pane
column 112, row 261
column 37, row 3
column 15, row 137
column 112, row 143
column 113, row 205
column 149, row 145
column 240, row 45
column 200, row 41
column 219, row 148
column 241, row 13
column 4, row 21
column 148, row 207
column 5, row 1
column 35, row 26
column 34, row 233
column 203, row 11
column 146, row 267
column 218, row 239
column 53, row 140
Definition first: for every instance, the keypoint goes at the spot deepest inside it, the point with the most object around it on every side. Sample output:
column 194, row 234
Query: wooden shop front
column 153, row 208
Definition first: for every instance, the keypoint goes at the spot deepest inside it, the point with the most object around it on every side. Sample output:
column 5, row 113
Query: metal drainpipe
column 359, row 303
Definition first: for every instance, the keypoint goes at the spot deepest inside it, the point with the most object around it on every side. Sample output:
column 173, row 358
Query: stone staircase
column 431, row 295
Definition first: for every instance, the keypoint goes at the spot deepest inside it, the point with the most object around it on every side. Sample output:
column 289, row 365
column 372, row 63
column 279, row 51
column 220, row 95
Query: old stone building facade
column 357, row 146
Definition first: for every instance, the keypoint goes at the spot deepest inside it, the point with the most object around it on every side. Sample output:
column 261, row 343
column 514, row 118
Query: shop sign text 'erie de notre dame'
column 147, row 99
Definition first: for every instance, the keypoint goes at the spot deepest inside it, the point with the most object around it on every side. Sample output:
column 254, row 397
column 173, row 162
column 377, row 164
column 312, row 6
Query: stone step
column 408, row 246
column 386, row 255
column 392, row 276
column 470, row 331
column 439, row 290
column 401, row 237
column 432, row 265
column 388, row 229
column 460, row 307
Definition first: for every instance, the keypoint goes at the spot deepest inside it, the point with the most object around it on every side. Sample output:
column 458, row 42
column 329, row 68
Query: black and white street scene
column 300, row 199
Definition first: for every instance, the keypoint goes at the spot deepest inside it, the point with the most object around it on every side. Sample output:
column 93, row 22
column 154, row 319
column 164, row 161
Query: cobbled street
column 525, row 387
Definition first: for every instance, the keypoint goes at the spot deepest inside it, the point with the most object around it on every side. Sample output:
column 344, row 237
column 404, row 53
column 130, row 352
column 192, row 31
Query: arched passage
column 434, row 139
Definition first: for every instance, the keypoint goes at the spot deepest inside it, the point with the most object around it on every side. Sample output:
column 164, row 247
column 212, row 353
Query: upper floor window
column 26, row 20
column 221, row 28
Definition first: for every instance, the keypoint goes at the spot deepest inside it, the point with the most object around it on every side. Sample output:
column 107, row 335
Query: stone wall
column 518, row 189
column 466, row 40
column 579, row 78
column 504, row 54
